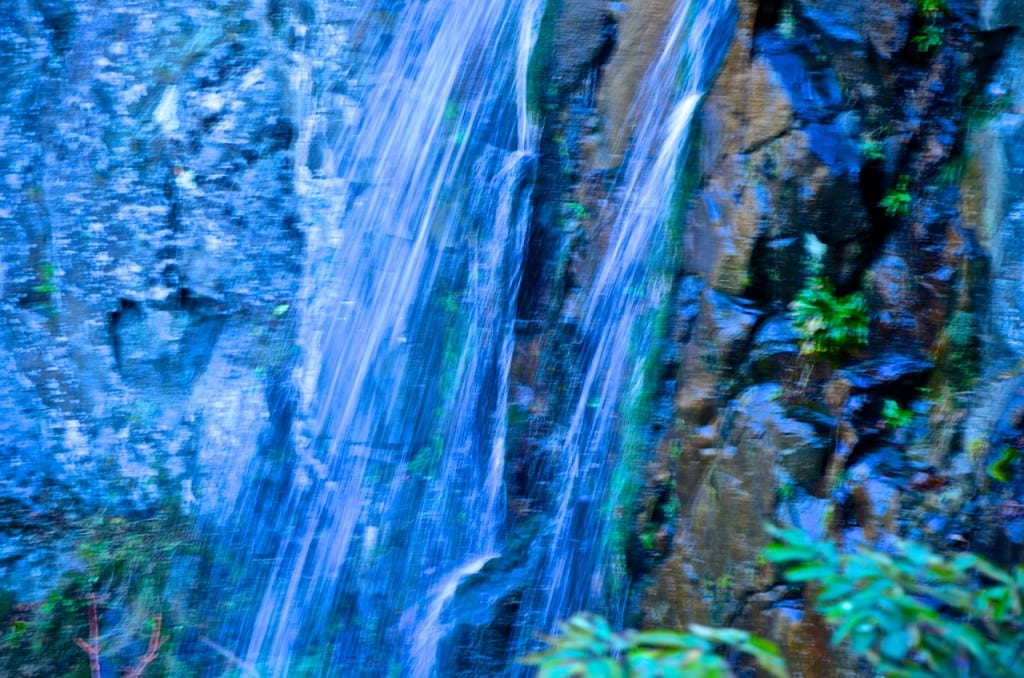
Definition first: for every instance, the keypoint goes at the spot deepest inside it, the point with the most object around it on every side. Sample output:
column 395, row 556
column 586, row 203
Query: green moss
column 688, row 181
column 538, row 71
column 428, row 460
column 787, row 21
column 636, row 443
column 960, row 350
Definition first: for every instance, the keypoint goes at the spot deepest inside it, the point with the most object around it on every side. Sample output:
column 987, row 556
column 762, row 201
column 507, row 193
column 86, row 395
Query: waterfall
column 415, row 161
column 415, row 171
column 582, row 566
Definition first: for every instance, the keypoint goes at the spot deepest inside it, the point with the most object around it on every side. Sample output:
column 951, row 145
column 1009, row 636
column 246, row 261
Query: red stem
column 92, row 648
column 151, row 652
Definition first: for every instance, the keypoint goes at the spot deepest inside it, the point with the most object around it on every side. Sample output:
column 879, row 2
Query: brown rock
column 640, row 34
column 767, row 107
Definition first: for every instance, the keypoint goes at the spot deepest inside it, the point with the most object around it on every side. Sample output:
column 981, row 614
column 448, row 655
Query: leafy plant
column 871, row 149
column 1001, row 468
column 829, row 326
column 46, row 274
column 787, row 22
column 908, row 613
column 92, row 646
column 896, row 202
column 575, row 210
column 930, row 37
column 896, row 416
column 912, row 612
column 122, row 567
column 931, row 34
column 589, row 647
column 928, row 8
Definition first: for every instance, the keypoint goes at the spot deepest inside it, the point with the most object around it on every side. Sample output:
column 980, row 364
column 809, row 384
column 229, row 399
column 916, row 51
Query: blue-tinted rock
column 813, row 88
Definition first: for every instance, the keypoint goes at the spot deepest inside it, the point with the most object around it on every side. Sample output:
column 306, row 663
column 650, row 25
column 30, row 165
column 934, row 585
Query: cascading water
column 415, row 187
column 415, row 173
column 582, row 565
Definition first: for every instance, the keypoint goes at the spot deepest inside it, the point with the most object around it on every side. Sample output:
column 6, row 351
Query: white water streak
column 623, row 293
column 431, row 630
column 379, row 223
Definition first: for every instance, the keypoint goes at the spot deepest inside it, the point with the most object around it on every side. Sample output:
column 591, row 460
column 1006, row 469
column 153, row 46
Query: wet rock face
column 782, row 159
column 994, row 199
column 150, row 233
column 152, row 252
column 821, row 116
column 819, row 113
column 997, row 14
column 640, row 29
column 1004, row 460
column 882, row 24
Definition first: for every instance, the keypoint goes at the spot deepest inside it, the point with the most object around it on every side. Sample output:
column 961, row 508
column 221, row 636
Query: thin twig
column 247, row 667
column 92, row 648
column 151, row 652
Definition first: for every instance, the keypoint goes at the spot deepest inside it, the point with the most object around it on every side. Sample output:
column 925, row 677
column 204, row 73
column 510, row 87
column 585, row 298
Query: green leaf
column 783, row 553
column 662, row 639
column 896, row 645
column 847, row 625
column 834, row 589
column 643, row 664
column 604, row 667
column 969, row 561
column 969, row 639
column 809, row 572
column 767, row 655
column 558, row 670
column 862, row 638
column 725, row 636
column 1001, row 468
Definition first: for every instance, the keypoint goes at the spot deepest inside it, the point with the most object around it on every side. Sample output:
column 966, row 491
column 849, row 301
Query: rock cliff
column 873, row 144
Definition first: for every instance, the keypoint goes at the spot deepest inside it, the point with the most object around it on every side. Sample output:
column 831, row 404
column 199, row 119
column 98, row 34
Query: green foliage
column 46, row 274
column 895, row 416
column 930, row 8
column 589, row 647
column 960, row 350
column 575, row 210
column 830, row 327
column 1001, row 468
column 871, row 149
column 931, row 34
column 930, row 38
column 896, row 202
column 912, row 612
column 127, row 566
column 787, row 22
